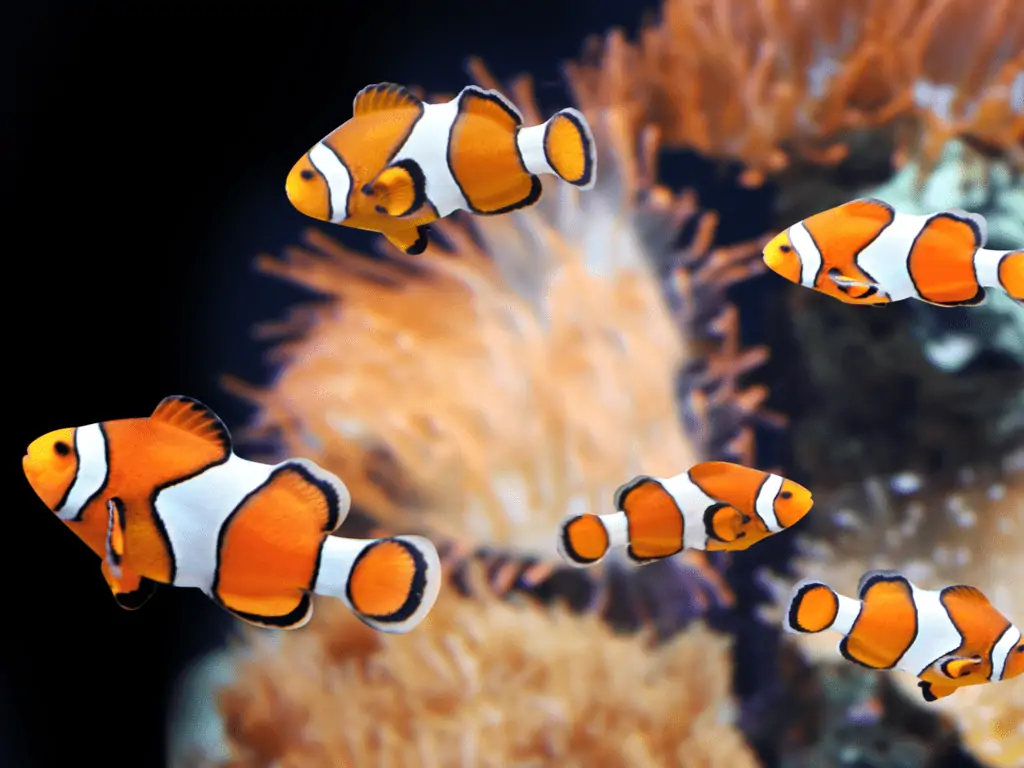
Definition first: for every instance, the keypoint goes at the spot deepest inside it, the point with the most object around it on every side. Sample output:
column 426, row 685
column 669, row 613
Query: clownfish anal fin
column 293, row 619
column 955, row 667
column 130, row 590
column 931, row 692
column 410, row 240
column 384, row 96
column 399, row 190
column 490, row 104
column 191, row 416
column 979, row 298
column 115, row 535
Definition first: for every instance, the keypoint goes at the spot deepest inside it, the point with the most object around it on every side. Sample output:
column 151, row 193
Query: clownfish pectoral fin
column 399, row 190
column 931, row 692
column 410, row 240
column 724, row 523
column 955, row 667
column 130, row 590
column 115, row 535
column 193, row 417
column 855, row 289
column 382, row 97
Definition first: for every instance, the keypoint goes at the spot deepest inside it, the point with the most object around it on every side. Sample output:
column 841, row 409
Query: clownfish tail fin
column 390, row 584
column 564, row 146
column 814, row 607
column 584, row 540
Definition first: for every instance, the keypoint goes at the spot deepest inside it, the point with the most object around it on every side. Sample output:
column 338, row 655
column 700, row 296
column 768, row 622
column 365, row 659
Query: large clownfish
column 948, row 638
column 715, row 506
column 400, row 163
column 866, row 252
column 164, row 500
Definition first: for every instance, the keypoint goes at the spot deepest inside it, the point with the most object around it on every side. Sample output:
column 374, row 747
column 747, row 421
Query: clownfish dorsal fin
column 191, row 416
column 965, row 595
column 976, row 221
column 382, row 97
column 869, row 208
column 490, row 104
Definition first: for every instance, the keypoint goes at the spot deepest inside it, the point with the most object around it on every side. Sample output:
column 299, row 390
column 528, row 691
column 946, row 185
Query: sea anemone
column 483, row 683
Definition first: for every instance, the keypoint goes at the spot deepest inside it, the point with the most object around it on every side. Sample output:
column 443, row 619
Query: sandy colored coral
column 970, row 534
column 482, row 684
column 768, row 82
column 525, row 365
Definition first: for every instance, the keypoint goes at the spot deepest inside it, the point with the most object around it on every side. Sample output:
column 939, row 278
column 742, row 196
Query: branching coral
column 970, row 533
column 771, row 82
column 483, row 683
column 528, row 366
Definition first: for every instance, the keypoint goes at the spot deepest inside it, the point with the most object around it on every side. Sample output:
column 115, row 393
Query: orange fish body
column 400, row 163
column 948, row 638
column 716, row 506
column 866, row 252
column 164, row 500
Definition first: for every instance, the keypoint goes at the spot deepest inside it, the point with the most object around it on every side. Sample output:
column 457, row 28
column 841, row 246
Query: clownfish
column 948, row 638
column 164, row 500
column 866, row 252
column 716, row 505
column 400, row 163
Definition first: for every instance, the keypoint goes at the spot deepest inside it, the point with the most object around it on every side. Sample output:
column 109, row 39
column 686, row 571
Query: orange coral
column 765, row 82
column 482, row 683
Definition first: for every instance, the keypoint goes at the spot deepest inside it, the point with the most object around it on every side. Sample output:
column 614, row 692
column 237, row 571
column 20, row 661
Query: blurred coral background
column 524, row 367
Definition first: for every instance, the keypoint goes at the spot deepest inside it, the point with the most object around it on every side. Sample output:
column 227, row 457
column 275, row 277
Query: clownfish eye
column 786, row 495
column 61, row 448
column 307, row 175
column 785, row 248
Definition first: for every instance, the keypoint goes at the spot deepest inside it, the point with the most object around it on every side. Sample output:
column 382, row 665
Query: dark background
column 144, row 155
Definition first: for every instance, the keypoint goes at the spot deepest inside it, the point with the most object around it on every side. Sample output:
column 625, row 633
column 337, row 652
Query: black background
column 145, row 151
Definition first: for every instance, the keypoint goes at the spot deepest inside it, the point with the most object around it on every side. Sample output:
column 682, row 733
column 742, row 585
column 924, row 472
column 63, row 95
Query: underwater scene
column 652, row 399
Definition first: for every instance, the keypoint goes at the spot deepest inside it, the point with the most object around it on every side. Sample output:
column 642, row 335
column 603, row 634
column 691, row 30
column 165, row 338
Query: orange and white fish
column 866, row 252
column 716, row 505
column 400, row 163
column 164, row 500
column 948, row 637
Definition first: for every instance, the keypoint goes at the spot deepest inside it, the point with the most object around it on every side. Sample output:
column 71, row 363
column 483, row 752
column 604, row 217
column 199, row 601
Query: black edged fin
column 978, row 298
column 976, row 221
column 309, row 483
column 132, row 601
column 190, row 415
column 400, row 189
column 291, row 620
column 965, row 593
column 870, row 578
column 475, row 100
column 627, row 488
column 926, row 691
column 115, row 535
column 384, row 96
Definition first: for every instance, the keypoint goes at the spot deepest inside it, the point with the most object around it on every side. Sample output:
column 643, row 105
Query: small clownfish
column 866, row 252
column 164, row 500
column 716, row 506
column 400, row 163
column 948, row 638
